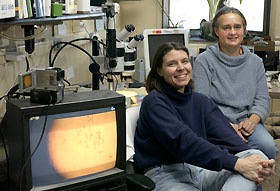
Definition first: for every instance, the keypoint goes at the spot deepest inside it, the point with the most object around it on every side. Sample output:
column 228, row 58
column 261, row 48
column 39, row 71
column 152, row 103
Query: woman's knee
column 268, row 146
column 263, row 141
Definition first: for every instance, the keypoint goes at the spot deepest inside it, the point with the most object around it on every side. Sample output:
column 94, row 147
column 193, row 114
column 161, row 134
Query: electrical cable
column 84, row 26
column 24, row 38
column 117, row 82
column 37, row 146
column 69, row 84
column 51, row 62
column 3, row 97
column 69, row 43
column 168, row 17
column 62, row 92
column 12, row 91
column 102, row 50
column 27, row 64
column 114, row 75
column 13, row 94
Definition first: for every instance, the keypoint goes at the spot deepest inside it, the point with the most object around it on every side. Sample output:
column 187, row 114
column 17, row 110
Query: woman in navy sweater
column 183, row 141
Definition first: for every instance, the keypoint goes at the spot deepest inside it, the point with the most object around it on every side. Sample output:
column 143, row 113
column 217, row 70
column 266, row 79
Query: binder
column 21, row 9
column 16, row 9
column 39, row 8
column 47, row 8
column 29, row 8
column 24, row 8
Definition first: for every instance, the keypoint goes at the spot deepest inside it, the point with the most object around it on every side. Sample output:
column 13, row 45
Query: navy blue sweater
column 184, row 127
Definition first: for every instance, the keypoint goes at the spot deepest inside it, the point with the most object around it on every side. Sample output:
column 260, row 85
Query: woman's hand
column 268, row 169
column 255, row 168
column 236, row 128
column 248, row 126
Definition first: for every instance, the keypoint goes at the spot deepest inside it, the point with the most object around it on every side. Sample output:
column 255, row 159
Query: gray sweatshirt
column 236, row 84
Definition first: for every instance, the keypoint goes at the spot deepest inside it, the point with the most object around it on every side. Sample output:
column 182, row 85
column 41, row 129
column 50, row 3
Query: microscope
column 130, row 59
column 118, row 60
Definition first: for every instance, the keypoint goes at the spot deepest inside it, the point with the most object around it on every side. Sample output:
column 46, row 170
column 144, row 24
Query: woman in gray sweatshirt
column 234, row 78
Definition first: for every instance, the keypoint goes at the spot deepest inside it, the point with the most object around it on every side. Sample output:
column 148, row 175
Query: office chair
column 135, row 179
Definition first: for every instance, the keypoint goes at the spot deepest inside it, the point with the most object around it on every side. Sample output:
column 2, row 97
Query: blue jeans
column 186, row 177
column 262, row 140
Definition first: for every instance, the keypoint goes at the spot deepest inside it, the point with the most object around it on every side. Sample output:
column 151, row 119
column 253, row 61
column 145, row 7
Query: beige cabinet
column 274, row 94
column 275, row 105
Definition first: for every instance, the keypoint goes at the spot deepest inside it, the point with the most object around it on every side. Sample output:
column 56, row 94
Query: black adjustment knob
column 113, row 64
column 94, row 68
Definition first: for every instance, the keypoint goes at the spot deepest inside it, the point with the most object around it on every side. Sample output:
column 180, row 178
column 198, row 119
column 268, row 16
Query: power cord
column 3, row 97
column 92, row 65
column 27, row 64
column 12, row 92
column 15, row 95
column 37, row 146
column 51, row 61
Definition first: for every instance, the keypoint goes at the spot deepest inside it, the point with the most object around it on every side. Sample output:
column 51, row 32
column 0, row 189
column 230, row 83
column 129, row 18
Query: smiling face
column 176, row 69
column 230, row 31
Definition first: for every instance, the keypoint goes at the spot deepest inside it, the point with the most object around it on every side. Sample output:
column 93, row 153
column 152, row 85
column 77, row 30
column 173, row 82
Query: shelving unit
column 29, row 24
column 49, row 20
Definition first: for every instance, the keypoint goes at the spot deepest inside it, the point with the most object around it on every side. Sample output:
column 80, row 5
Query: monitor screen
column 154, row 38
column 155, row 41
column 73, row 145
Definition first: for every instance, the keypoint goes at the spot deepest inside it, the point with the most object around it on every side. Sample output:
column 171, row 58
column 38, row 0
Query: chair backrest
column 132, row 115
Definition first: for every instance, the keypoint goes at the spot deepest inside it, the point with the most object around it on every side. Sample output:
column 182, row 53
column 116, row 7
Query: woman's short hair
column 154, row 80
column 225, row 10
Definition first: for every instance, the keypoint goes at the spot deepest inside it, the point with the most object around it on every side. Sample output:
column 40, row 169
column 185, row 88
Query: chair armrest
column 139, row 182
column 136, row 180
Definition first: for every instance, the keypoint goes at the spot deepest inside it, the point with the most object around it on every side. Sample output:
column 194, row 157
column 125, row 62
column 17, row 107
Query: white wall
column 143, row 14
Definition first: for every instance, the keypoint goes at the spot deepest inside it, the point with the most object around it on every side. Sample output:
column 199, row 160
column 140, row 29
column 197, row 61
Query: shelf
column 50, row 20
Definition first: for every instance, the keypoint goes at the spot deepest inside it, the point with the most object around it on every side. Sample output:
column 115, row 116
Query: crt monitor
column 154, row 38
column 74, row 145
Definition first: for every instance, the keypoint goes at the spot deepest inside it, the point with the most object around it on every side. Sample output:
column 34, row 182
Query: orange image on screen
column 27, row 81
column 83, row 145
